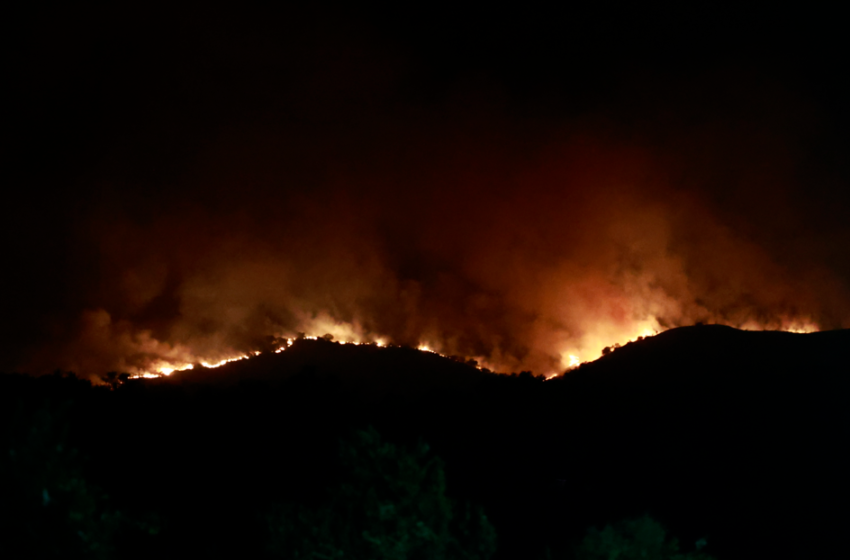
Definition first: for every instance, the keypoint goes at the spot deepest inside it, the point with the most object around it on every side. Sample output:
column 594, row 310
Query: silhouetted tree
column 48, row 509
column 113, row 379
column 391, row 505
column 635, row 539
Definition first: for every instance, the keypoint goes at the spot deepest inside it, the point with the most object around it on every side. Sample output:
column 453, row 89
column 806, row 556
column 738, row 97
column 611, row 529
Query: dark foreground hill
column 367, row 371
column 736, row 437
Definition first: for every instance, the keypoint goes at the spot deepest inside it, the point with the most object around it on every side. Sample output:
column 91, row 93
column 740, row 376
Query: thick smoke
column 515, row 250
column 458, row 224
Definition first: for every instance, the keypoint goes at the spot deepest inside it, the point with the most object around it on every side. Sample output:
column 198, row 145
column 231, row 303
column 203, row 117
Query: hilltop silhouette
column 704, row 348
column 728, row 437
column 364, row 368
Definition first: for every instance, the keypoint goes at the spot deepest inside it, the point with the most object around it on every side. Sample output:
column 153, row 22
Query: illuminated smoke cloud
column 523, row 243
column 518, row 256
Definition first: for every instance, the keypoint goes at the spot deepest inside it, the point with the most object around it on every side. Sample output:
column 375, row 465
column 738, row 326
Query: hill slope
column 736, row 436
column 367, row 371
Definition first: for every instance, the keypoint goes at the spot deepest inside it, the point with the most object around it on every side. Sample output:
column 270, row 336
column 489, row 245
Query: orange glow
column 222, row 362
column 591, row 346
column 578, row 350
column 799, row 326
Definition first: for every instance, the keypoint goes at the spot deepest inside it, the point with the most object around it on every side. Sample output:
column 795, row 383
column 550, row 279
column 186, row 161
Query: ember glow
column 531, row 296
column 379, row 200
column 590, row 350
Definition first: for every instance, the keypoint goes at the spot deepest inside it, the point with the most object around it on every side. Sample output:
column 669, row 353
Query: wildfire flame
column 588, row 349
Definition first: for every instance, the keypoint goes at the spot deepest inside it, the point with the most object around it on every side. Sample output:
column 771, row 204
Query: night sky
column 510, row 185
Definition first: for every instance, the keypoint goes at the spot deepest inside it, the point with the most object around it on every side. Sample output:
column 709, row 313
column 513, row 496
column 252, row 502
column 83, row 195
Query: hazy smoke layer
column 516, row 240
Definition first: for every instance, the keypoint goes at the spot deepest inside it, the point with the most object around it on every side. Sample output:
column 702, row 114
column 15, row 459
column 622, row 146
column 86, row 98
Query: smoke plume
column 348, row 206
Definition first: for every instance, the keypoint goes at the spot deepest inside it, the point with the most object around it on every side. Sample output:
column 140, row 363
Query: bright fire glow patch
column 587, row 348
column 787, row 325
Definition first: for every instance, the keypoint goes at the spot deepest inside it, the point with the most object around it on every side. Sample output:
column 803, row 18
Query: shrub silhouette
column 391, row 505
column 635, row 539
column 48, row 507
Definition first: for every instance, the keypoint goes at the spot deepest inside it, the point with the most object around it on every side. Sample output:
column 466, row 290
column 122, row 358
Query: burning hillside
column 232, row 186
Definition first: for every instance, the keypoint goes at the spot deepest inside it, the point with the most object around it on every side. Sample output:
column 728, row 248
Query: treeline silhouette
column 735, row 441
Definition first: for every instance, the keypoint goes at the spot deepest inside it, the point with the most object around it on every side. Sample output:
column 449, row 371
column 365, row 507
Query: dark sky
column 514, row 184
